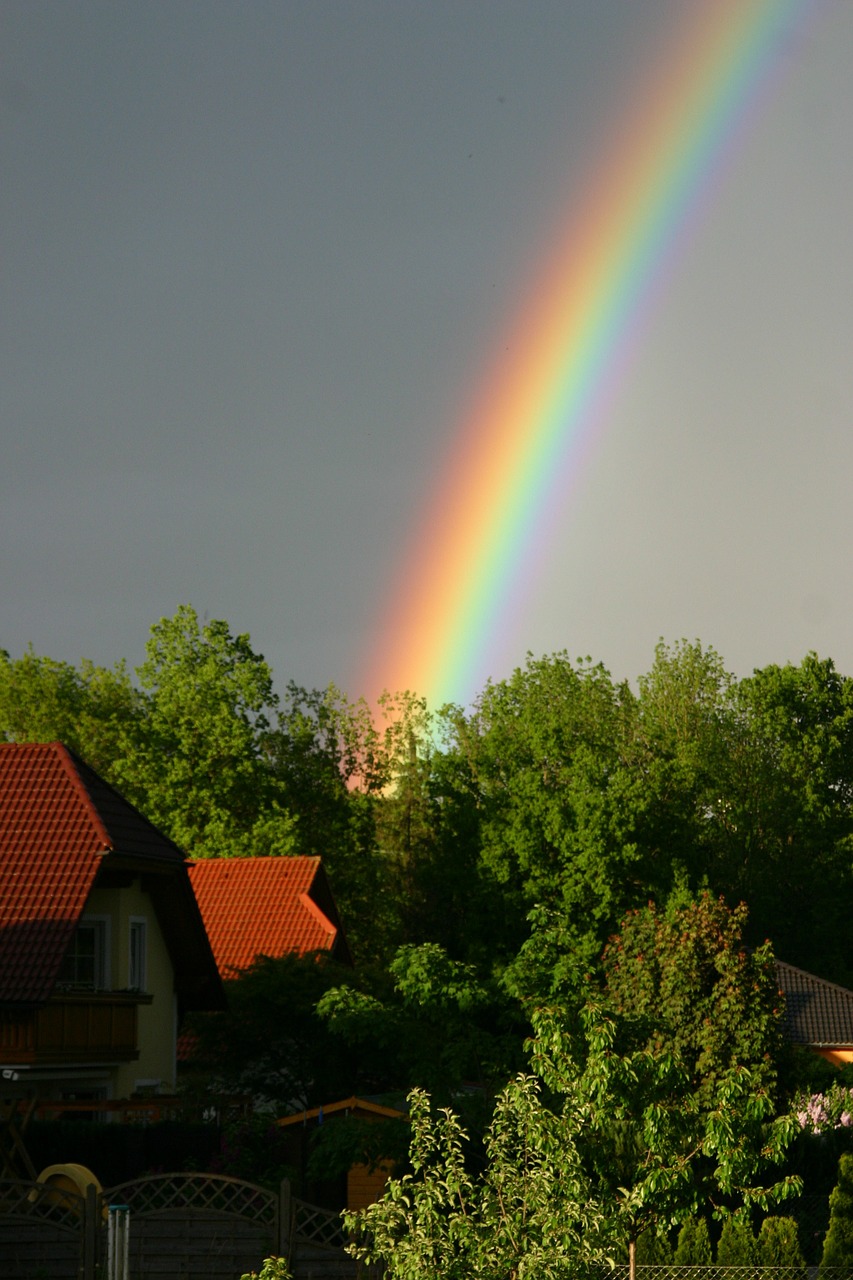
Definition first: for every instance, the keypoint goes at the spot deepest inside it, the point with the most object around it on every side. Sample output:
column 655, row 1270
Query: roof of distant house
column 817, row 1013
column 266, row 907
column 58, row 822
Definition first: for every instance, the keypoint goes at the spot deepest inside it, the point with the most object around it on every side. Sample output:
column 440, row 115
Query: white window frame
column 137, row 958
column 102, row 974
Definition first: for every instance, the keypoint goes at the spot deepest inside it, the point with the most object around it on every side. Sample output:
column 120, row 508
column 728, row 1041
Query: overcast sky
column 255, row 255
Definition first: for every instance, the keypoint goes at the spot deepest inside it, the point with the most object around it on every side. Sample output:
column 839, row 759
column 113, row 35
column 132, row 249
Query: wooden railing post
column 286, row 1241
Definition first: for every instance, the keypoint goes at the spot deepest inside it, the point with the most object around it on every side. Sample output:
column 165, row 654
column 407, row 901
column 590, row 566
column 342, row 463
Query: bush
column 736, row 1246
column 838, row 1245
column 653, row 1250
column 779, row 1245
column 272, row 1269
column 694, row 1244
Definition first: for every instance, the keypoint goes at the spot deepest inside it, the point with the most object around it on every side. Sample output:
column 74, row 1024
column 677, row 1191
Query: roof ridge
column 69, row 761
column 317, row 912
column 813, row 978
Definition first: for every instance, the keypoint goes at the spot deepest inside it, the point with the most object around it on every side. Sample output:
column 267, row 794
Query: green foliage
column 272, row 1269
column 438, row 1024
column 694, row 1244
column 270, row 1042
column 684, row 980
column 201, row 773
column 778, row 1245
column 528, row 1214
column 838, row 1245
column 736, row 1246
column 654, row 1249
column 593, row 1148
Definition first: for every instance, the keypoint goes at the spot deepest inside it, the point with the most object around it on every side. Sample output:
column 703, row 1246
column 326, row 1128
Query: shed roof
column 817, row 1013
column 266, row 906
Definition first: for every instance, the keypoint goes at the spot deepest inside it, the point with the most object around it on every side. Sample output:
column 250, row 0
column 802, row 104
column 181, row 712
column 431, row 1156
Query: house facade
column 102, row 945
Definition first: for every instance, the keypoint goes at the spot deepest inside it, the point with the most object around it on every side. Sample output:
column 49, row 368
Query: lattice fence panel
column 41, row 1231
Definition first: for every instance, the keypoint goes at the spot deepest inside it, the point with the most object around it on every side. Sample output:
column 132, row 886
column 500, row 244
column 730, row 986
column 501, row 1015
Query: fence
column 183, row 1226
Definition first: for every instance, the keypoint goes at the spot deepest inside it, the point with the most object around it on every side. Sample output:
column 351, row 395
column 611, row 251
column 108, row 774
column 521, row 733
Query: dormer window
column 85, row 967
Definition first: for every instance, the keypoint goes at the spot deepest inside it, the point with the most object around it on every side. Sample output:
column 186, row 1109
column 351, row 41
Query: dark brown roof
column 266, row 906
column 817, row 1013
column 60, row 824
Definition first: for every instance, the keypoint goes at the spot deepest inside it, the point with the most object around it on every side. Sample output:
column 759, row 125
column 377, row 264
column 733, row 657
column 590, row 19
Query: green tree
column 694, row 1244
column 433, row 1022
column 778, row 1246
column 200, row 772
column 736, row 1246
column 96, row 711
column 591, row 1149
column 545, row 753
column 838, row 1244
column 684, row 980
column 270, row 1042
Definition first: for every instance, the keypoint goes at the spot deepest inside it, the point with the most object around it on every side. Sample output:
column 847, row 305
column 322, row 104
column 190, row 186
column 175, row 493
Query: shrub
column 654, row 1250
column 838, row 1245
column 736, row 1246
column 779, row 1245
column 272, row 1269
column 694, row 1244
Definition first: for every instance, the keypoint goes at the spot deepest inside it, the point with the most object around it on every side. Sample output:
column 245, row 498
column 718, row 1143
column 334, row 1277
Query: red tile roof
column 58, row 820
column 266, row 906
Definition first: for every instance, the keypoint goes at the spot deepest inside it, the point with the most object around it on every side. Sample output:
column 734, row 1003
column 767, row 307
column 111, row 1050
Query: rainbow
column 533, row 422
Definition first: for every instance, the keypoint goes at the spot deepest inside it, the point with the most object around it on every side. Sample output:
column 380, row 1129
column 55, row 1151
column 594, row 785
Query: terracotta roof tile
column 57, row 820
column 265, row 906
column 817, row 1013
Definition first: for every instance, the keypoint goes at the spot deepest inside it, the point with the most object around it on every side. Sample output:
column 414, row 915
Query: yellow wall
column 156, row 1021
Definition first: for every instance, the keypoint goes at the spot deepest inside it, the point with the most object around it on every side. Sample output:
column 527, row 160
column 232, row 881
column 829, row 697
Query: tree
column 436, row 1024
column 694, row 1244
column 778, row 1246
column 96, row 711
column 590, row 1150
column 684, row 980
column 838, row 1244
column 200, row 772
column 545, row 753
column 736, row 1246
column 270, row 1041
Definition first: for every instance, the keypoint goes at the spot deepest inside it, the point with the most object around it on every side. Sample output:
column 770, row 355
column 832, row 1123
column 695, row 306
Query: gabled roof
column 817, row 1013
column 363, row 1108
column 60, row 823
column 266, row 907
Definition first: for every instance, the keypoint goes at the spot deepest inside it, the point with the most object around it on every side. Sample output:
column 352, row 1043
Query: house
column 818, row 1014
column 266, row 907
column 102, row 945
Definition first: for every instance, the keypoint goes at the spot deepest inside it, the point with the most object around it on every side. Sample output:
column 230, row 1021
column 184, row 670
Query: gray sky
column 254, row 256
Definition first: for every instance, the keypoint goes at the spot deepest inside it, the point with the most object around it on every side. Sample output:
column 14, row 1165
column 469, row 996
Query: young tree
column 595, row 1147
column 838, row 1245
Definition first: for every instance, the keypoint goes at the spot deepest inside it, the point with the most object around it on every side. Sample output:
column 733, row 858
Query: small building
column 365, row 1183
column 818, row 1014
column 102, row 944
column 266, row 907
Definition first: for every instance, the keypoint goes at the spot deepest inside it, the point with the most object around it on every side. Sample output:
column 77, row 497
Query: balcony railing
column 74, row 1027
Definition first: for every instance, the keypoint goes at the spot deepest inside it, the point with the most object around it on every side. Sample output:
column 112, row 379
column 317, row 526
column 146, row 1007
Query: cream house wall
column 155, row 1067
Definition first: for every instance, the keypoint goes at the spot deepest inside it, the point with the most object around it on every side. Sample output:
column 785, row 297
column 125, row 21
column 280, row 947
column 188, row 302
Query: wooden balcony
column 79, row 1027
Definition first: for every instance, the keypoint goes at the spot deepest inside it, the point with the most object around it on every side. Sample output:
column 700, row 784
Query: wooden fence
column 183, row 1226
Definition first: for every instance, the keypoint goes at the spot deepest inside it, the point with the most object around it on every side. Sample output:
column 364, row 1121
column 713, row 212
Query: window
column 84, row 967
column 136, row 965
